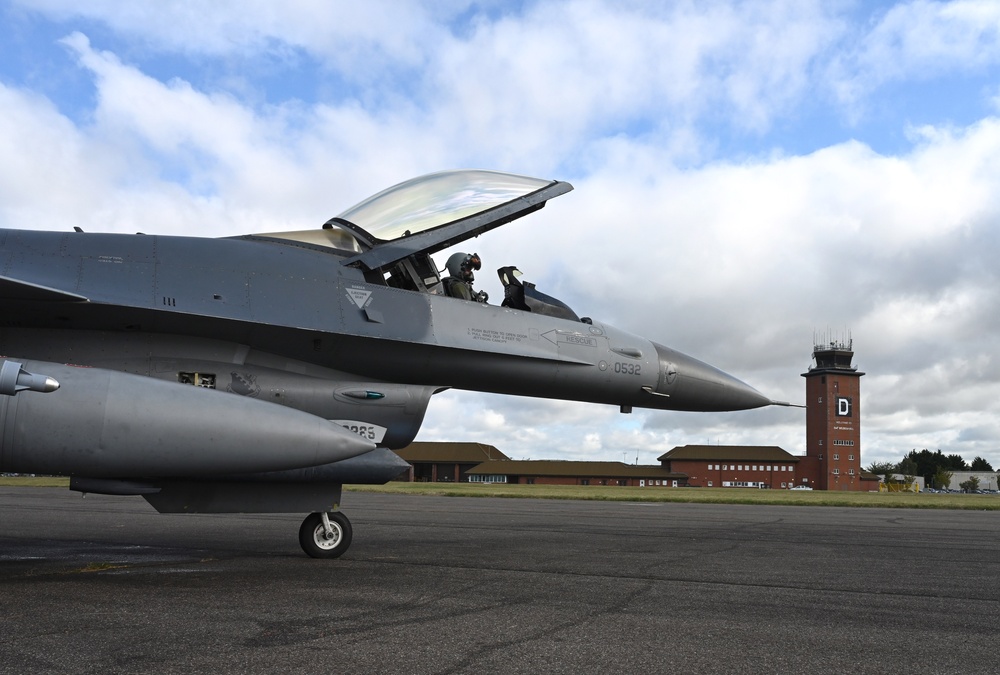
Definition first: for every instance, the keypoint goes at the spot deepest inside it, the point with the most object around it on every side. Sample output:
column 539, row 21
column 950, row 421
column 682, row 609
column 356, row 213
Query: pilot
column 459, row 285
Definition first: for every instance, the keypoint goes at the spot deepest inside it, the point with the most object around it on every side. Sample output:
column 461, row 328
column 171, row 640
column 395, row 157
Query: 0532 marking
column 628, row 368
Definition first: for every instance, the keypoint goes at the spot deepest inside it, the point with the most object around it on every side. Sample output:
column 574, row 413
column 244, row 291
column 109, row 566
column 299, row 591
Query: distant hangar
column 481, row 463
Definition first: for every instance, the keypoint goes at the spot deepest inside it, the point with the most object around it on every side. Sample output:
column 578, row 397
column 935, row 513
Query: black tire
column 313, row 539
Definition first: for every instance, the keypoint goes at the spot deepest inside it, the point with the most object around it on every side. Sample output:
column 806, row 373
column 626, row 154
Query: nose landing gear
column 325, row 535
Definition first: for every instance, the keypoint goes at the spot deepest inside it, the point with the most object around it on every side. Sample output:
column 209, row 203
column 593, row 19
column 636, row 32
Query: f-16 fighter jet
column 260, row 373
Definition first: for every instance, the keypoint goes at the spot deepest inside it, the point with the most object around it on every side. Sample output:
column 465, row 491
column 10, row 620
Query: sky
column 751, row 178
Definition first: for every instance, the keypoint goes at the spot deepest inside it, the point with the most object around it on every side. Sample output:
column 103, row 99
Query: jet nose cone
column 694, row 385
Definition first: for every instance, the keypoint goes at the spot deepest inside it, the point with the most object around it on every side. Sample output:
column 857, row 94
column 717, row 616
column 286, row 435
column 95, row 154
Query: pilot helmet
column 461, row 265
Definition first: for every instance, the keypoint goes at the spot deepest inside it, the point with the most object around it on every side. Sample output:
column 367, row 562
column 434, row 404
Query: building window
column 836, row 457
column 487, row 479
column 740, row 468
column 709, row 467
column 819, row 400
column 709, row 483
column 725, row 467
column 836, row 471
column 850, row 471
column 784, row 485
column 850, row 458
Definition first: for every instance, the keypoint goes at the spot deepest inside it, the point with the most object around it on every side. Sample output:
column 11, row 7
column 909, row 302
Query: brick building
column 445, row 462
column 733, row 466
column 559, row 472
column 481, row 463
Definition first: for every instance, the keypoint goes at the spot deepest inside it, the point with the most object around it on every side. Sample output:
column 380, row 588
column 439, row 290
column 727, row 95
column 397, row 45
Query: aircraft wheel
column 319, row 542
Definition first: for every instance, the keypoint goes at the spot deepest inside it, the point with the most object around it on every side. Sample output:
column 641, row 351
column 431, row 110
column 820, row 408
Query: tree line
column 935, row 467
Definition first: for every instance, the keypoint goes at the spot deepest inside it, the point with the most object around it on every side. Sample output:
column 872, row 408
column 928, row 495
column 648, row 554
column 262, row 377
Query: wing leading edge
column 15, row 289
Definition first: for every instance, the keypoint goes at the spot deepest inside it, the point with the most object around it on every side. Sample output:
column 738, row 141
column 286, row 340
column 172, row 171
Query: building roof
column 460, row 453
column 551, row 467
column 733, row 453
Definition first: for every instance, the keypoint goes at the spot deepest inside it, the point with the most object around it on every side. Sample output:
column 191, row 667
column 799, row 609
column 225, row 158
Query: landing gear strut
column 325, row 535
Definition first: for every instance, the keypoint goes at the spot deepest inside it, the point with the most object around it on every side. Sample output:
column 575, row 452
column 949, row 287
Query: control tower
column 833, row 418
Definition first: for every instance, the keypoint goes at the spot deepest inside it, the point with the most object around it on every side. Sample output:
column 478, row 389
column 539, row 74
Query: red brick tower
column 833, row 419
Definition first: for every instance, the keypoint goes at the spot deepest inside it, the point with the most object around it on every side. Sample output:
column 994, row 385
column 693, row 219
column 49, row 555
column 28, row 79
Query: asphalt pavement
column 460, row 585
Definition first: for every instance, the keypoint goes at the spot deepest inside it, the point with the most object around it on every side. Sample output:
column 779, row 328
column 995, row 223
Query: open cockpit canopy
column 430, row 201
column 430, row 213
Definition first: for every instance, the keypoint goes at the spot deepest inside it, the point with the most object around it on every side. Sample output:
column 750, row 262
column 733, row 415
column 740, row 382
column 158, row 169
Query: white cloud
column 351, row 36
column 545, row 74
column 920, row 40
column 169, row 158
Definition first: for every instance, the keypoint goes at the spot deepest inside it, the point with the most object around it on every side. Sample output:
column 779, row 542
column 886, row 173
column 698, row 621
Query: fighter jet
column 261, row 373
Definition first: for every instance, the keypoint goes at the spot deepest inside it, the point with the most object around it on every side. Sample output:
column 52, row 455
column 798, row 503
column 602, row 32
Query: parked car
column 801, row 487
